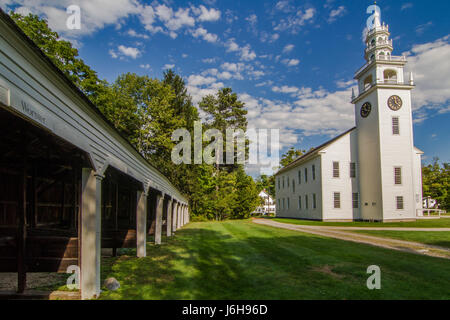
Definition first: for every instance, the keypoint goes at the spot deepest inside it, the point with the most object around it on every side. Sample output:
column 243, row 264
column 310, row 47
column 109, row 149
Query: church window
column 390, row 76
column 335, row 169
column 283, row 182
column 400, row 204
column 306, row 175
column 299, row 177
column 306, row 201
column 398, row 175
column 352, row 170
column 300, row 202
column 288, row 203
column 337, row 200
column 368, row 82
column 283, row 204
column 395, row 125
column 293, row 186
column 314, row 201
column 314, row 172
column 288, row 182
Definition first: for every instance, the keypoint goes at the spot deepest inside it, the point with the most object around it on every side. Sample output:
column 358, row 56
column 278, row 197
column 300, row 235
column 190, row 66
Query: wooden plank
column 22, row 233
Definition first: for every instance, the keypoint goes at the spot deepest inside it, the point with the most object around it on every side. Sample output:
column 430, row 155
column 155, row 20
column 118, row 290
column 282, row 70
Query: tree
column 61, row 53
column 247, row 195
column 290, row 156
column 436, row 183
column 224, row 111
column 182, row 102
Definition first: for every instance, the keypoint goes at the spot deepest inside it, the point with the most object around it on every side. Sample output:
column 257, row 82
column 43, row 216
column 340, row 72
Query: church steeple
column 378, row 43
column 381, row 67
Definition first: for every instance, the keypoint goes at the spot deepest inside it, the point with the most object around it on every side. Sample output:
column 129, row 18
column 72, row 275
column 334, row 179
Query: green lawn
column 243, row 260
column 437, row 238
column 434, row 223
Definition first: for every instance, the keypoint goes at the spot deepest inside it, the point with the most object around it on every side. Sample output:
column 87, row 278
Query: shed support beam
column 179, row 216
column 22, row 232
column 141, row 224
column 174, row 216
column 91, row 191
column 170, row 204
column 159, row 213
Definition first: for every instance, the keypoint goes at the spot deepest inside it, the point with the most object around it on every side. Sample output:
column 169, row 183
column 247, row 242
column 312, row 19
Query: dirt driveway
column 342, row 234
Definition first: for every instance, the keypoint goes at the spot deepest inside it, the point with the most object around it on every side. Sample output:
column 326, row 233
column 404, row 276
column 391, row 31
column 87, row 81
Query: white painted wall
column 344, row 151
column 369, row 167
column 301, row 189
column 396, row 151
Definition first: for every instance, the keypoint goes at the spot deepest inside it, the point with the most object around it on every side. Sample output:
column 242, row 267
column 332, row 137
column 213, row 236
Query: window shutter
column 337, row 200
column 395, row 126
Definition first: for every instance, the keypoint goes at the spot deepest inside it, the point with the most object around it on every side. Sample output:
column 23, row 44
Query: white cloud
column 288, row 48
column 145, row 66
column 123, row 52
column 204, row 34
column 205, row 14
column 96, row 14
column 168, row 66
column 293, row 23
column 420, row 29
column 291, row 62
column 429, row 63
column 245, row 53
column 129, row 51
column 336, row 13
column 133, row 33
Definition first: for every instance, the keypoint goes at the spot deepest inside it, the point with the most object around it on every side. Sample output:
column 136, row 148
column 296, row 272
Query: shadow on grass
column 241, row 260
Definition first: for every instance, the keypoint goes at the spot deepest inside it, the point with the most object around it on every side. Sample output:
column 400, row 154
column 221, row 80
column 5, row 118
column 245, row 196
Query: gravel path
column 340, row 233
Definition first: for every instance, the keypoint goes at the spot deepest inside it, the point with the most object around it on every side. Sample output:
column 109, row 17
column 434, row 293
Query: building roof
column 312, row 153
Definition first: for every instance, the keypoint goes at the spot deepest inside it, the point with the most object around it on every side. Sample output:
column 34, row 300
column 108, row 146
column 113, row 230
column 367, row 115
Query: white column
column 141, row 224
column 159, row 212
column 91, row 191
column 174, row 216
column 169, row 217
column 179, row 216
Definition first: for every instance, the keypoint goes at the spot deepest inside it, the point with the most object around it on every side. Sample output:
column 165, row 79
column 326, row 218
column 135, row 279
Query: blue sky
column 292, row 62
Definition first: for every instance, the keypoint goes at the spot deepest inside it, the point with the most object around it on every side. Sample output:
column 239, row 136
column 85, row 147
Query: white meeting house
column 373, row 171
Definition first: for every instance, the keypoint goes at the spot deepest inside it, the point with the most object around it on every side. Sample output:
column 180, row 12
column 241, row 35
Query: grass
column 437, row 238
column 433, row 223
column 243, row 260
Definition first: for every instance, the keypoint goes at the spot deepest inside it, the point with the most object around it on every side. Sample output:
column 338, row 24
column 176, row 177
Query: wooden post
column 141, row 224
column 91, row 191
column 34, row 199
column 174, row 216
column 63, row 200
column 116, row 219
column 158, row 226
column 170, row 204
column 22, row 232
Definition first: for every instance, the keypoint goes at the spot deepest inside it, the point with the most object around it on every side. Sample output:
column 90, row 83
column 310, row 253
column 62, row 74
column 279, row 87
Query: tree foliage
column 146, row 111
column 290, row 156
column 436, row 183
